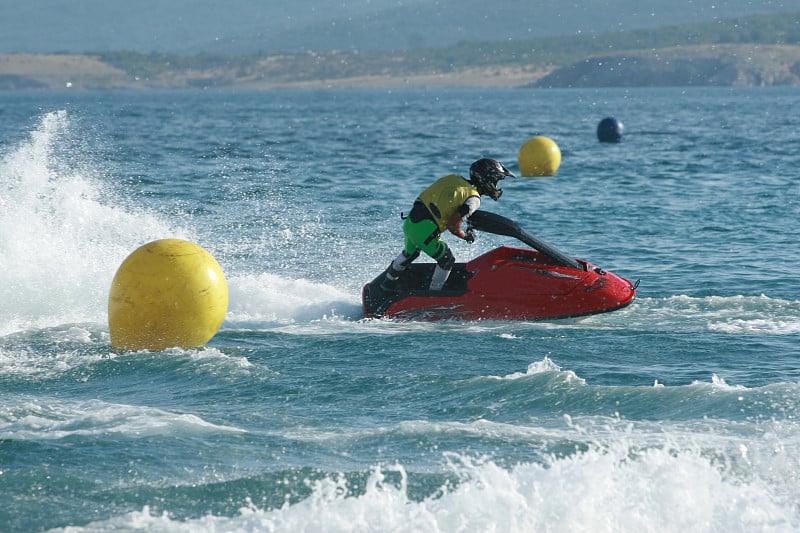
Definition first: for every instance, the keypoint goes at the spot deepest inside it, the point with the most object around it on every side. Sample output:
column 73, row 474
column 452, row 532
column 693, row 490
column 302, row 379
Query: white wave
column 544, row 366
column 24, row 362
column 269, row 298
column 60, row 241
column 720, row 383
column 19, row 359
column 758, row 326
column 599, row 490
column 415, row 428
column 724, row 314
column 33, row 420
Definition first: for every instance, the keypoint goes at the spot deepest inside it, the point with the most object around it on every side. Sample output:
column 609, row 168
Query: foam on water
column 546, row 365
column 724, row 314
column 630, row 421
column 75, row 349
column 619, row 488
column 60, row 239
column 268, row 298
column 36, row 421
column 613, row 474
column 64, row 230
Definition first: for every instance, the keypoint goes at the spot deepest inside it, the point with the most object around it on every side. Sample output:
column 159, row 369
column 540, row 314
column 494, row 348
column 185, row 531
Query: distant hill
column 269, row 27
column 450, row 22
column 755, row 50
column 704, row 65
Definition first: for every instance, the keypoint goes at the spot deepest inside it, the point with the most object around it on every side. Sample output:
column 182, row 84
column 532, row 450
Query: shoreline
column 702, row 65
column 70, row 71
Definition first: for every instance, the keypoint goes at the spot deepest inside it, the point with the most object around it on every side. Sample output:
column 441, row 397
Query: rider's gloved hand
column 469, row 235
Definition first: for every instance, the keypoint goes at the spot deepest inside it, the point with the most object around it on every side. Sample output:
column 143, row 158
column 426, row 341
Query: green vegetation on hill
column 559, row 51
column 755, row 50
column 534, row 53
column 156, row 63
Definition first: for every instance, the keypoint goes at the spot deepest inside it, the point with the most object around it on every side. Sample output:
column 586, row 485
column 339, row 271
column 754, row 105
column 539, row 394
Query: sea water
column 677, row 413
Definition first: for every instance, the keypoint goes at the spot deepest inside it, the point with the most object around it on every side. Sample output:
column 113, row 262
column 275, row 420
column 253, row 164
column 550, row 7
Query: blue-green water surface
column 677, row 413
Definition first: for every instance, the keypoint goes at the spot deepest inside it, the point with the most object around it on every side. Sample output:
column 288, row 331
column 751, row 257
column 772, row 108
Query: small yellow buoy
column 168, row 293
column 539, row 156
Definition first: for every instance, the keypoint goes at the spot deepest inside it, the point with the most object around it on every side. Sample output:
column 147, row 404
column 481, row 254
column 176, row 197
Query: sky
column 274, row 26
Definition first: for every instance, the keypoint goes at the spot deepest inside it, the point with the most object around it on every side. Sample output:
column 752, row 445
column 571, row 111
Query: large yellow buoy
column 539, row 156
column 167, row 293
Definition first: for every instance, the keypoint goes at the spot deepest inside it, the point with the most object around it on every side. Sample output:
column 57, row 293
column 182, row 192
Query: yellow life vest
column 445, row 196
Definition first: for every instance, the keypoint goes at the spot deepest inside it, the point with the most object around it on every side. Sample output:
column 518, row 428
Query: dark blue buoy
column 609, row 130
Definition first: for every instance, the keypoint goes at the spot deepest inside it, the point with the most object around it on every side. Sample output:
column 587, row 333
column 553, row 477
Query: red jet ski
column 506, row 283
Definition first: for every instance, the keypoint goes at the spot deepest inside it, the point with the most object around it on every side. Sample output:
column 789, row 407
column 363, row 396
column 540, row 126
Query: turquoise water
column 677, row 413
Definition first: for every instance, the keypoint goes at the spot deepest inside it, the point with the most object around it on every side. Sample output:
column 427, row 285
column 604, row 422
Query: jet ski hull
column 506, row 283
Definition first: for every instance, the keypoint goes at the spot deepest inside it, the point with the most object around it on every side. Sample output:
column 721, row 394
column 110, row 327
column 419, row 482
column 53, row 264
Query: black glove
column 469, row 235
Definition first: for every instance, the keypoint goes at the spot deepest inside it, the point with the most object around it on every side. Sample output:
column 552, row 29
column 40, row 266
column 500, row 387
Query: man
column 445, row 205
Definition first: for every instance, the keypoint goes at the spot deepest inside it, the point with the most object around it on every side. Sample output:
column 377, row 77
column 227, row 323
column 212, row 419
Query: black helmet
column 485, row 174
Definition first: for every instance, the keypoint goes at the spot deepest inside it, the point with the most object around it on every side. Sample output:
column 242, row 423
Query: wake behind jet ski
column 507, row 283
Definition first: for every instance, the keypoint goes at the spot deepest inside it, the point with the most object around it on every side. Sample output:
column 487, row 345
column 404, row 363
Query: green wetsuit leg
column 424, row 235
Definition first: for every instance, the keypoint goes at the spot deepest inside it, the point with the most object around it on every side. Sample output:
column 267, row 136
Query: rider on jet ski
column 445, row 205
